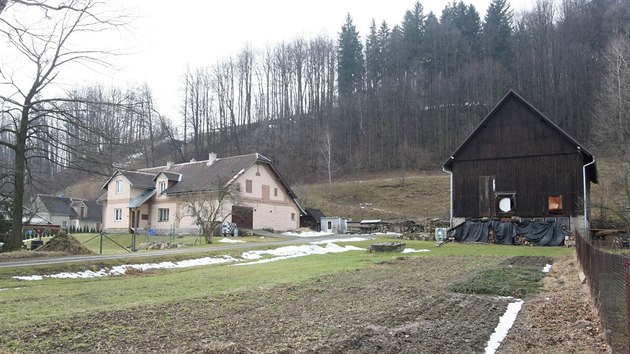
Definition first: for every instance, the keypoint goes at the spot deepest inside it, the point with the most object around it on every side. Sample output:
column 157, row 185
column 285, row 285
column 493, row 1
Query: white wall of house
column 118, row 200
column 272, row 206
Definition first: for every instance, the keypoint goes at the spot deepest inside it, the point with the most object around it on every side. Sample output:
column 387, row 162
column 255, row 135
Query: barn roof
column 587, row 156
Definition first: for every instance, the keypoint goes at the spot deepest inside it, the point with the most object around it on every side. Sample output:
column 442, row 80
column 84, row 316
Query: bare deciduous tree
column 211, row 208
column 44, row 36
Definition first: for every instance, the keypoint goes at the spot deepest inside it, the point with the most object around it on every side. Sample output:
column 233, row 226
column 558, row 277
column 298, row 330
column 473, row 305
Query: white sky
column 166, row 36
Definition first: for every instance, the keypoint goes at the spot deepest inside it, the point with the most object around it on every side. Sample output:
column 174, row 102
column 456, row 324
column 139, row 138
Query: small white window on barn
column 506, row 203
column 119, row 187
column 162, row 186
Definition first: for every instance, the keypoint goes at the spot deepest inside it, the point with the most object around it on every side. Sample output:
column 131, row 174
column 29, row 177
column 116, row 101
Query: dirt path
column 559, row 319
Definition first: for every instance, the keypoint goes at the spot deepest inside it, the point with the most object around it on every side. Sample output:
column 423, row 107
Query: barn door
column 486, row 196
column 243, row 217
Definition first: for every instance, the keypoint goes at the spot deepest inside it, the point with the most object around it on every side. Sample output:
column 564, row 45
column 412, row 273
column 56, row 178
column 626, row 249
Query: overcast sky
column 166, row 36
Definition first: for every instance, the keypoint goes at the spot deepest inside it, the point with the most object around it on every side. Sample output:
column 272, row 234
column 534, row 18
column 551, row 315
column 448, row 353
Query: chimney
column 211, row 158
column 169, row 164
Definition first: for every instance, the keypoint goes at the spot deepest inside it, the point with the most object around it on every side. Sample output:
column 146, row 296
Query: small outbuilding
column 518, row 165
column 312, row 218
column 334, row 224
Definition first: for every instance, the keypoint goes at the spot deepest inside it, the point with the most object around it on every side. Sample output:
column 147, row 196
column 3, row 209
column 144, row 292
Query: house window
column 162, row 214
column 119, row 187
column 82, row 212
column 292, row 216
column 248, row 186
column 117, row 214
column 162, row 186
column 275, row 192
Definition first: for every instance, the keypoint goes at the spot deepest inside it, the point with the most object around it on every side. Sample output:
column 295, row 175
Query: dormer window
column 119, row 186
column 162, row 186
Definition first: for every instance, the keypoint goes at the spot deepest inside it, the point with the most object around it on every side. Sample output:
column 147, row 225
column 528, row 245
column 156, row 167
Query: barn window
column 554, row 203
column 506, row 203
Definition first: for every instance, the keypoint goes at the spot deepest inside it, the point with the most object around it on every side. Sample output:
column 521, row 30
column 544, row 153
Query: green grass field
column 24, row 302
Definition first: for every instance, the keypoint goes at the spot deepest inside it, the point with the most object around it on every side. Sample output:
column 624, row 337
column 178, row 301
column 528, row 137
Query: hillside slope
column 420, row 196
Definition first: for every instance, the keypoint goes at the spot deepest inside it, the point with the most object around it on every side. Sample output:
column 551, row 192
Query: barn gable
column 517, row 152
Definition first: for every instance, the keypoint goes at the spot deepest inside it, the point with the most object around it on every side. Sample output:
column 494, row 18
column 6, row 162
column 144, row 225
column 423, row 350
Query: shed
column 311, row 218
column 334, row 224
column 518, row 164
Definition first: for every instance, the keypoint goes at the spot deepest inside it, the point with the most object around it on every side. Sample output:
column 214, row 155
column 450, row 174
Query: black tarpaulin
column 546, row 233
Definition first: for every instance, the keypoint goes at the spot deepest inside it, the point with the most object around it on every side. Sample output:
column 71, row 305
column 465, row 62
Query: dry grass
column 417, row 197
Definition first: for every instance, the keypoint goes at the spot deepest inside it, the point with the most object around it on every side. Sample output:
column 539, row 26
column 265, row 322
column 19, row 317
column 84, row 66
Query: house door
column 486, row 196
column 243, row 217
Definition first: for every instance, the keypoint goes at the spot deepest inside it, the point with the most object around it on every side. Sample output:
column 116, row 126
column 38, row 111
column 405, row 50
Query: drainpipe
column 450, row 219
column 586, row 206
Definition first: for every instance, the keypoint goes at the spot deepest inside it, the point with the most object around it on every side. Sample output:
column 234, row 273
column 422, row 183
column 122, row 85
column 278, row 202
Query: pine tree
column 350, row 60
column 497, row 31
column 372, row 58
column 413, row 32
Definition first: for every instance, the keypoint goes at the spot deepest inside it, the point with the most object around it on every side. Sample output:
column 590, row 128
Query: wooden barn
column 518, row 164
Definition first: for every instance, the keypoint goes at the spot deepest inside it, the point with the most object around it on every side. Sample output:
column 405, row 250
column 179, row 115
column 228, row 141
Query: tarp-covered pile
column 547, row 233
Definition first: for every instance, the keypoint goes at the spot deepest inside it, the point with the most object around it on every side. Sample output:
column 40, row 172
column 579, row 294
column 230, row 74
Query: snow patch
column 547, row 268
column 307, row 234
column 122, row 269
column 411, row 250
column 293, row 252
column 229, row 240
column 505, row 323
column 255, row 256
column 336, row 240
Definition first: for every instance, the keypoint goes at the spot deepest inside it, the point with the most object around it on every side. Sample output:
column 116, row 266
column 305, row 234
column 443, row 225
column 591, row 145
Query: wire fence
column 608, row 273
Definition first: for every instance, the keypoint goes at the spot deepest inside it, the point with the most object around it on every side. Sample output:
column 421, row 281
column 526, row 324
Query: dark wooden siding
column 515, row 130
column 526, row 155
column 533, row 180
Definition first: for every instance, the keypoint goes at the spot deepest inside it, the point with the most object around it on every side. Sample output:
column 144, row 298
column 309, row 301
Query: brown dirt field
column 560, row 318
column 400, row 306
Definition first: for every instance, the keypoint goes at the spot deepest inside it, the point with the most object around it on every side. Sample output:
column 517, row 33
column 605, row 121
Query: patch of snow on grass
column 122, row 269
column 293, row 252
column 411, row 250
column 255, row 256
column 547, row 268
column 229, row 240
column 505, row 323
column 307, row 234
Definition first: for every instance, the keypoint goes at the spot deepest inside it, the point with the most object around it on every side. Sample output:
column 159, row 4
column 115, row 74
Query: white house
column 68, row 211
column 151, row 198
